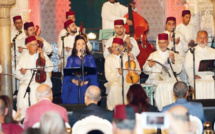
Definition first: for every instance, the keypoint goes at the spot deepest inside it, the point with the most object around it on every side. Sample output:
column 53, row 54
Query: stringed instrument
column 132, row 76
column 81, row 31
column 40, row 76
column 140, row 29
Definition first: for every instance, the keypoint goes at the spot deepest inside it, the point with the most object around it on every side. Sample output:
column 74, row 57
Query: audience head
column 92, row 95
column 80, row 43
column 179, row 119
column 202, row 38
column 44, row 91
column 95, row 132
column 180, row 89
column 124, row 119
column 6, row 109
column 136, row 96
column 52, row 123
column 32, row 131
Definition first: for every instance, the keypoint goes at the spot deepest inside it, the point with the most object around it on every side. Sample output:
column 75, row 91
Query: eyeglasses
column 34, row 45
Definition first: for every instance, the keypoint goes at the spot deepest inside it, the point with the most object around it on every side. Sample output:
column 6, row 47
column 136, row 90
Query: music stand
column 77, row 71
column 207, row 65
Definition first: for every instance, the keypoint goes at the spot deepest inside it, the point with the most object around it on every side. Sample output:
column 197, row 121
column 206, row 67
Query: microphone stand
column 173, row 36
column 28, row 90
column 121, row 56
column 82, row 71
column 62, row 38
column 192, row 50
column 14, row 42
column 174, row 73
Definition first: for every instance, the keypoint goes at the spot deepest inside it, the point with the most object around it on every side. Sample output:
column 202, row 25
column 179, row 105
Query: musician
column 113, row 74
column 24, row 71
column 181, row 45
column 130, row 41
column 18, row 26
column 71, row 28
column 70, row 91
column 162, row 79
column 70, row 15
column 111, row 11
column 186, row 28
column 30, row 31
column 204, row 80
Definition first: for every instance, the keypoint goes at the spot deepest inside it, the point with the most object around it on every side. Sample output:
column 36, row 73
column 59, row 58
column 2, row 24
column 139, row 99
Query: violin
column 40, row 43
column 40, row 63
column 81, row 31
column 132, row 76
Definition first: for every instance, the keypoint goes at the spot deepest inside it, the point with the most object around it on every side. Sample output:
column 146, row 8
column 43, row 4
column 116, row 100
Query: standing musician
column 24, row 71
column 18, row 24
column 71, row 28
column 187, row 29
column 70, row 92
column 160, row 73
column 119, row 29
column 70, row 15
column 111, row 11
column 113, row 73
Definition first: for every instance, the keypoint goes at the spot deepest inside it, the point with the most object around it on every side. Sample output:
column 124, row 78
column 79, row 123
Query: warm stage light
column 91, row 36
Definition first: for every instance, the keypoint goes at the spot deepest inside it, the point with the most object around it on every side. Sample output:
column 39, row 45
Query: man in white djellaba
column 24, row 72
column 113, row 74
column 186, row 28
column 204, row 80
column 158, row 67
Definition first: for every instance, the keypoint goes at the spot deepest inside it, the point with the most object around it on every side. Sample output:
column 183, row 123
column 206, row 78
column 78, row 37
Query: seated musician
column 24, row 71
column 160, row 72
column 70, row 91
column 113, row 74
column 71, row 28
column 204, row 80
column 119, row 29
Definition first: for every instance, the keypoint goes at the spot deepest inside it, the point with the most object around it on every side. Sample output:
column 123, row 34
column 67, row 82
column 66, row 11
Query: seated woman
column 70, row 91
column 9, row 125
column 136, row 96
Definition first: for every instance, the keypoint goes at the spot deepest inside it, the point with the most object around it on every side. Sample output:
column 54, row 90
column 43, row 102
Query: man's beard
column 120, row 34
column 73, row 31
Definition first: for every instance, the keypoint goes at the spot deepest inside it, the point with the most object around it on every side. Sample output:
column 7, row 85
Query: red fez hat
column 27, row 25
column 170, row 18
column 184, row 12
column 16, row 18
column 118, row 41
column 30, row 39
column 118, row 22
column 67, row 23
column 162, row 36
column 124, row 112
column 70, row 13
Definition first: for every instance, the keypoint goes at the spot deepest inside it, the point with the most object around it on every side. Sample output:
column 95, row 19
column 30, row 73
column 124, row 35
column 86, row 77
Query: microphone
column 67, row 34
column 118, row 49
column 82, row 53
column 173, row 29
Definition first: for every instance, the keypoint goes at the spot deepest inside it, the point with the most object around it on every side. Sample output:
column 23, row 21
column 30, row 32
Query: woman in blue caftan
column 70, row 91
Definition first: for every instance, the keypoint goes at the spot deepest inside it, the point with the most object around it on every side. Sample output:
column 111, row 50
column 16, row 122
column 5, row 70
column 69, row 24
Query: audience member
column 32, row 131
column 180, row 91
column 91, row 99
column 34, row 113
column 136, row 96
column 123, row 120
column 9, row 125
column 52, row 123
column 179, row 120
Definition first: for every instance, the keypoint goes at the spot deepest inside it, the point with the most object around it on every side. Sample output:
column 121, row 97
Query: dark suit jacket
column 91, row 109
column 194, row 108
